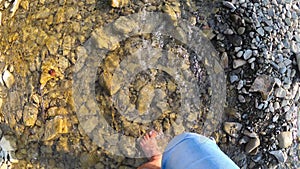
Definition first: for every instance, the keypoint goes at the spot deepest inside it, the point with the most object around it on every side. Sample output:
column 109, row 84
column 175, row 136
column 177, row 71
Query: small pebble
column 280, row 92
column 234, row 78
column 247, row 54
column 241, row 99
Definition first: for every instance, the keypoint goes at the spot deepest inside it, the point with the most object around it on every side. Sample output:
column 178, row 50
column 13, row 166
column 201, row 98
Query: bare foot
column 149, row 144
column 151, row 150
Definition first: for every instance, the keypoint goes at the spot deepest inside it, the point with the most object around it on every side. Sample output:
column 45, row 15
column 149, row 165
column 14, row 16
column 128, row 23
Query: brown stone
column 263, row 84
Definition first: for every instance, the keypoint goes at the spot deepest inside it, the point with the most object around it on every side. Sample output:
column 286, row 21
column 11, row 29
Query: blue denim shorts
column 194, row 151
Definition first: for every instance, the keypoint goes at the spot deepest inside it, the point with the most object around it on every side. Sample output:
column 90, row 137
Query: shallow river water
column 83, row 81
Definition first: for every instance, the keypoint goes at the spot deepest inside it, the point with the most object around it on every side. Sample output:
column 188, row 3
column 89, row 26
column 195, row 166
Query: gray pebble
column 247, row 54
column 241, row 30
column 275, row 118
column 287, row 62
column 268, row 28
column 277, row 82
column 280, row 92
column 239, row 54
column 293, row 73
column 294, row 47
column 238, row 63
column 276, row 105
column 260, row 31
column 282, row 70
column 279, row 155
column 234, row 78
column 251, row 60
column 241, row 99
column 274, row 65
column 271, row 107
column 255, row 52
column 228, row 32
column 286, row 108
column 251, row 34
column 289, row 116
column 240, row 85
column 252, row 65
column 284, row 103
column 237, row 49
column 260, row 106
column 229, row 5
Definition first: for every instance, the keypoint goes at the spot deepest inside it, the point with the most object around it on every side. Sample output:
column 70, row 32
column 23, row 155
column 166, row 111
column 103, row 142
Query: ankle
column 156, row 157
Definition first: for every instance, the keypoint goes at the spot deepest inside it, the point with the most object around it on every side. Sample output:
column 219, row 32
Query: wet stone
column 8, row 79
column 125, row 25
column 30, row 113
column 52, row 44
column 119, row 3
column 56, row 126
column 145, row 98
column 105, row 39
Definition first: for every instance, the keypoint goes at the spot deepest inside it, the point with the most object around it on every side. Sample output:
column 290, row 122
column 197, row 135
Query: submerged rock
column 119, row 3
column 50, row 71
column 8, row 79
column 145, row 98
column 56, row 126
column 30, row 113
column 52, row 44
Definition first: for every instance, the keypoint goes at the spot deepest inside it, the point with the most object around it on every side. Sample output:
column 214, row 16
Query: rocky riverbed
column 46, row 122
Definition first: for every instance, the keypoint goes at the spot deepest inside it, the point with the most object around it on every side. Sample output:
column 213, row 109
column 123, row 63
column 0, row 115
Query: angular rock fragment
column 252, row 145
column 7, row 144
column 285, row 139
column 263, row 84
column 119, row 3
column 280, row 155
column 232, row 128
column 30, row 113
column 229, row 5
column 8, row 79
column 238, row 63
column 15, row 7
column 145, row 98
column 280, row 92
column 56, row 126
